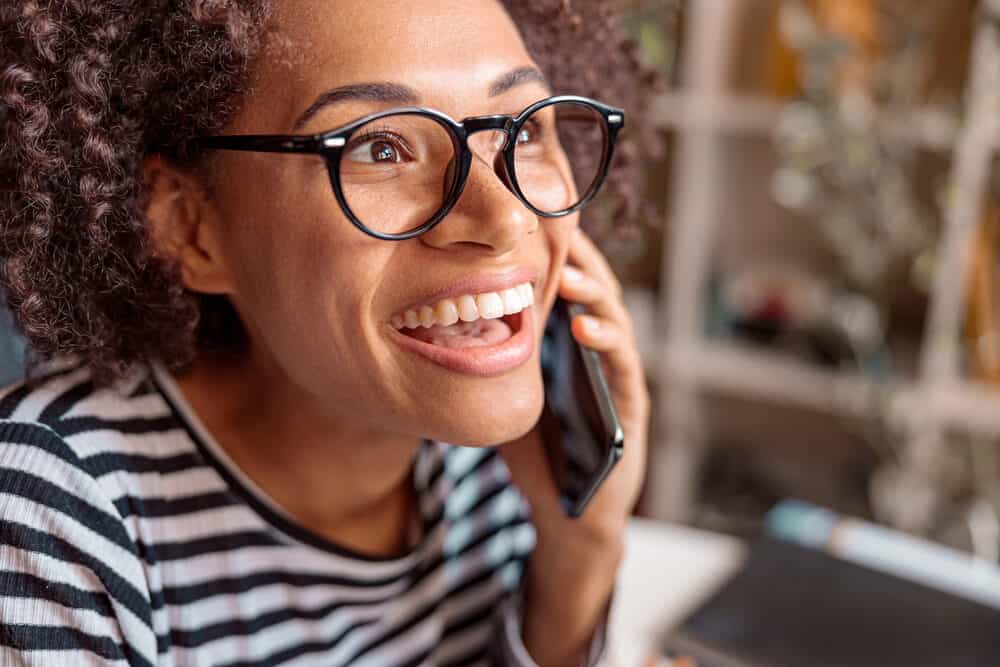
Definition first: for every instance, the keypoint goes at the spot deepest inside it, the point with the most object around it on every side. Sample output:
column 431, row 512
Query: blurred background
column 816, row 285
column 817, row 294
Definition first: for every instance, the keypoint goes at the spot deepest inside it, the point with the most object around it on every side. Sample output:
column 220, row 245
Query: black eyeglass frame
column 330, row 145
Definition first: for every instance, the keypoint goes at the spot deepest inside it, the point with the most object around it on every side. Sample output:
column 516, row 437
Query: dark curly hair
column 88, row 88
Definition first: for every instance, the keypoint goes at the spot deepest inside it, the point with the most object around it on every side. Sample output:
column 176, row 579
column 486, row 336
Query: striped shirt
column 127, row 536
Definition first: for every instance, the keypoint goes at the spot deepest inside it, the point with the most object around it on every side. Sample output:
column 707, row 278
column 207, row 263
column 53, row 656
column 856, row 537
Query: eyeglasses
column 396, row 174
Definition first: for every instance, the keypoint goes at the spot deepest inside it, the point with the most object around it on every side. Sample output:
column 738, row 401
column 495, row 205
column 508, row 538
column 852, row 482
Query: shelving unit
column 752, row 114
column 703, row 115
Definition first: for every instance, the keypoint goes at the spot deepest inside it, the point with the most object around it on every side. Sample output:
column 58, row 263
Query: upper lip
column 477, row 284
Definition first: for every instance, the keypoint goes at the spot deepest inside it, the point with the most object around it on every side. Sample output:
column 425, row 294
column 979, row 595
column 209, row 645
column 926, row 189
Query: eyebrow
column 384, row 92
column 381, row 92
column 517, row 77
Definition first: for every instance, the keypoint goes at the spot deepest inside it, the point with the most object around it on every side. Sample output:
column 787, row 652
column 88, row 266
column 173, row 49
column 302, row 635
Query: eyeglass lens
column 396, row 172
column 558, row 155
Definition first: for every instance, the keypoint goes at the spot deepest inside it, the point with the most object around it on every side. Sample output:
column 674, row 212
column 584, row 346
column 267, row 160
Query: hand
column 573, row 568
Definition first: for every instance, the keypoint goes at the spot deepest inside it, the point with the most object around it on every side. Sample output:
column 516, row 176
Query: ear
column 185, row 227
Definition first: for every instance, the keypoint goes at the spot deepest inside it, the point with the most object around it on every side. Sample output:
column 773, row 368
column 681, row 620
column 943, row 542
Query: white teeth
column 527, row 294
column 467, row 308
column 490, row 305
column 511, row 301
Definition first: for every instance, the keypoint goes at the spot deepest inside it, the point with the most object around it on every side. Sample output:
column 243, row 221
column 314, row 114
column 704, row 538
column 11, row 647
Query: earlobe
column 184, row 227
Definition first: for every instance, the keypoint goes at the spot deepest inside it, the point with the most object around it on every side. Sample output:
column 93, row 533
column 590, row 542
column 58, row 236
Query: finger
column 577, row 286
column 580, row 288
column 618, row 355
column 597, row 333
column 583, row 252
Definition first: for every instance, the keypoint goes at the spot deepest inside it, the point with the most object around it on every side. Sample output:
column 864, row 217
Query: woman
column 276, row 336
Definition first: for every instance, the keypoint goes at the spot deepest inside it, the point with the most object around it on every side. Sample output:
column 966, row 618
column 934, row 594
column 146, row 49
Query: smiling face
column 327, row 306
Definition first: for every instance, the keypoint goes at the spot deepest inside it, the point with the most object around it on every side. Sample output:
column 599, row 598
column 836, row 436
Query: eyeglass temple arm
column 272, row 143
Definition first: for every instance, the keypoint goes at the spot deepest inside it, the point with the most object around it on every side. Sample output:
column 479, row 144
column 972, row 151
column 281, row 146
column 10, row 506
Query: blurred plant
column 849, row 148
column 848, row 154
column 655, row 26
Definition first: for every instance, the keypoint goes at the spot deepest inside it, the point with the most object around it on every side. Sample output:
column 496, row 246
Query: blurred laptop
column 795, row 606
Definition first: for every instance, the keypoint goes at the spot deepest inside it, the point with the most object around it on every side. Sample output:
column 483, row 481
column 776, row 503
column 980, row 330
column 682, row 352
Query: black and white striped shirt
column 128, row 537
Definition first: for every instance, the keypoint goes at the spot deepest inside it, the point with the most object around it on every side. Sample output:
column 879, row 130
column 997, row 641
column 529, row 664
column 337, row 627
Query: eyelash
column 375, row 133
column 385, row 132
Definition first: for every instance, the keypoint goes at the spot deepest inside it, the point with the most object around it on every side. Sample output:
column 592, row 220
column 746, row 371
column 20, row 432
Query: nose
column 487, row 144
column 487, row 215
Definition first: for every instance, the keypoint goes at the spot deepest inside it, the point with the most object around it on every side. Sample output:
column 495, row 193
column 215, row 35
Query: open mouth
column 469, row 321
column 462, row 335
column 483, row 335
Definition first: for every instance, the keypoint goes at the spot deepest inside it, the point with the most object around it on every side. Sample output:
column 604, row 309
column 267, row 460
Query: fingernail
column 591, row 325
column 572, row 274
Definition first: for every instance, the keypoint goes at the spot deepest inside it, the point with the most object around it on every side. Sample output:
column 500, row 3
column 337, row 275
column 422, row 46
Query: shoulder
column 60, row 437
column 62, row 540
column 76, row 584
column 31, row 413
column 38, row 419
column 67, row 411
column 67, row 400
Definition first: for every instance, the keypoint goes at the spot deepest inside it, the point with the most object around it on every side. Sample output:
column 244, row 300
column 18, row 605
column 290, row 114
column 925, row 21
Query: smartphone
column 580, row 429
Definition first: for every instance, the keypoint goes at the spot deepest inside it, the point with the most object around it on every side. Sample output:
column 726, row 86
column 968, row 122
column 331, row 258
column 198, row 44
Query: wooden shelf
column 747, row 372
column 931, row 128
column 762, row 375
column 966, row 406
column 728, row 114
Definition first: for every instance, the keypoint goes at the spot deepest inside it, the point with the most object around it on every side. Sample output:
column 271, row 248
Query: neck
column 350, row 484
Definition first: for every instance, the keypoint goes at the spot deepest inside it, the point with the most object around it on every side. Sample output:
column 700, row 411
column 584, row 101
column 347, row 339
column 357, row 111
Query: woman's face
column 320, row 297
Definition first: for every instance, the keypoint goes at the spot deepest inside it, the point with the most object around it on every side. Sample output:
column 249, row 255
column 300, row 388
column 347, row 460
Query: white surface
column 667, row 571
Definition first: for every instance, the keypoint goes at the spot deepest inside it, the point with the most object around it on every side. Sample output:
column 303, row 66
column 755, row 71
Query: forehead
column 449, row 52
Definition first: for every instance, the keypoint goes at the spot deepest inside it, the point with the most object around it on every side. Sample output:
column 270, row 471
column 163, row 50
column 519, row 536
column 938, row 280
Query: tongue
column 464, row 334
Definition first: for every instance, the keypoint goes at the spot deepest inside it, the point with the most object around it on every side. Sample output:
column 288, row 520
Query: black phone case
column 611, row 437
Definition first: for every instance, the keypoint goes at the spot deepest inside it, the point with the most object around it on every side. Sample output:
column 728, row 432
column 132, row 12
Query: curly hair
column 88, row 88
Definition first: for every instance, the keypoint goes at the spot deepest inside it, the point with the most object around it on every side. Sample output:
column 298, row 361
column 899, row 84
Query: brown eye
column 376, row 151
column 383, row 152
column 527, row 134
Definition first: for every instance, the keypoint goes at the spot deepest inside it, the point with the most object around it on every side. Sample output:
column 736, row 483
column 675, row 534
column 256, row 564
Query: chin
column 481, row 422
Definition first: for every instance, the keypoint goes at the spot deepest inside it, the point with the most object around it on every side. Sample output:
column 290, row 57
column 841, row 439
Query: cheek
column 558, row 235
column 313, row 276
column 308, row 301
column 303, row 273
column 283, row 226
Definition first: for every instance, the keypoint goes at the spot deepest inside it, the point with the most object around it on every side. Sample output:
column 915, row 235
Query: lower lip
column 484, row 361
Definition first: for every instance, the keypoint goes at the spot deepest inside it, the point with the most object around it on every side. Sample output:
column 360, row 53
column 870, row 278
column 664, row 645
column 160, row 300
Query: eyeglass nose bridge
column 497, row 123
column 502, row 124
